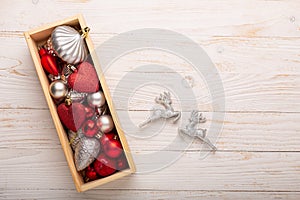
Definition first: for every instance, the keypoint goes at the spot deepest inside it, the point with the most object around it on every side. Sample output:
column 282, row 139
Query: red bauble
column 48, row 62
column 111, row 145
column 71, row 116
column 85, row 79
column 89, row 128
column 122, row 163
column 90, row 174
column 105, row 166
column 107, row 137
column 89, row 112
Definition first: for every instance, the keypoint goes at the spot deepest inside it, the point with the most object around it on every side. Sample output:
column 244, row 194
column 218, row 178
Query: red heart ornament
column 48, row 62
column 85, row 79
column 72, row 116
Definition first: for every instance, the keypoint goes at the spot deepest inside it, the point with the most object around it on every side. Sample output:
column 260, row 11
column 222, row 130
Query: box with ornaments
column 80, row 103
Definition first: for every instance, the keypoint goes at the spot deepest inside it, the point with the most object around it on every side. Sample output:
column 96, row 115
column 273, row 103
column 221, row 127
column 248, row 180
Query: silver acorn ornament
column 97, row 100
column 74, row 138
column 68, row 44
column 86, row 152
column 58, row 89
column 105, row 123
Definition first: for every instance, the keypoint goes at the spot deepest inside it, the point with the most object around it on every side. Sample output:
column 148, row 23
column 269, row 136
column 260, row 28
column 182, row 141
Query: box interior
column 39, row 37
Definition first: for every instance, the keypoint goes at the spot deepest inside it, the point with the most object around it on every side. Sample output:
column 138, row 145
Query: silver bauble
column 105, row 123
column 96, row 99
column 68, row 44
column 86, row 152
column 58, row 89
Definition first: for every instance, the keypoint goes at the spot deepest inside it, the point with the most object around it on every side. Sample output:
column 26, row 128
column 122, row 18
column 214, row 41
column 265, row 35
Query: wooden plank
column 252, row 90
column 27, row 129
column 255, row 47
column 250, row 18
column 47, row 169
column 150, row 194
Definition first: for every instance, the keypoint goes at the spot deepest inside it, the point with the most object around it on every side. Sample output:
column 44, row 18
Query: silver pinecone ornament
column 74, row 138
column 86, row 152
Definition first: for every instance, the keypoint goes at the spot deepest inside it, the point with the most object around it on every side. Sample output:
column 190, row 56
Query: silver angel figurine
column 164, row 99
column 191, row 128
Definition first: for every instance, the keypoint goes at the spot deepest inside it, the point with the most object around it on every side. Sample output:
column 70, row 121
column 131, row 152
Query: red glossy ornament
column 89, row 112
column 90, row 173
column 48, row 62
column 105, row 166
column 107, row 137
column 111, row 145
column 122, row 163
column 89, row 128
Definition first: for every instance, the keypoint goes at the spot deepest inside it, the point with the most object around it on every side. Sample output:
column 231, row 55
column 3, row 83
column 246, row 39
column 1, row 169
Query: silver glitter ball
column 105, row 123
column 77, row 96
column 96, row 99
column 58, row 89
column 68, row 44
column 86, row 152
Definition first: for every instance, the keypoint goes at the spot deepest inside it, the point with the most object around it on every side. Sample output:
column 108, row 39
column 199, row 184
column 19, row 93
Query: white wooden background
column 255, row 45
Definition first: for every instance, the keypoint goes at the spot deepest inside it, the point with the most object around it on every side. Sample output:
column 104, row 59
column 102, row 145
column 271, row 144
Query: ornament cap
column 85, row 32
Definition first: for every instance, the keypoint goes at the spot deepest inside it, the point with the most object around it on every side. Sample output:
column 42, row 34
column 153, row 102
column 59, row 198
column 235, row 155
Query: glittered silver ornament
column 96, row 99
column 167, row 112
column 86, row 152
column 192, row 130
column 76, row 96
column 105, row 123
column 58, row 89
column 68, row 44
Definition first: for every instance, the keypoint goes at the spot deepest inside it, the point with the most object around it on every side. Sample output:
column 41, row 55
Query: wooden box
column 39, row 36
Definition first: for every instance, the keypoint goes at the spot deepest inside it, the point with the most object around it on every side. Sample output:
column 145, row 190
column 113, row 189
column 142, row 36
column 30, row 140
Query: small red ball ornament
column 48, row 62
column 90, row 174
column 105, row 166
column 111, row 145
column 89, row 128
column 89, row 112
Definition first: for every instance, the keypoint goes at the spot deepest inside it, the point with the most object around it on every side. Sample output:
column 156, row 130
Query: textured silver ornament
column 191, row 128
column 58, row 89
column 105, row 123
column 86, row 152
column 74, row 138
column 68, row 44
column 168, row 112
column 96, row 99
column 76, row 96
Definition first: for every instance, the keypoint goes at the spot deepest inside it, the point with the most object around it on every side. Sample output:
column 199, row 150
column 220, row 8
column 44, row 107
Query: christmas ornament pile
column 81, row 104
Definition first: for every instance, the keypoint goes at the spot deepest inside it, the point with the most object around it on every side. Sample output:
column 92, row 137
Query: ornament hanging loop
column 85, row 31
